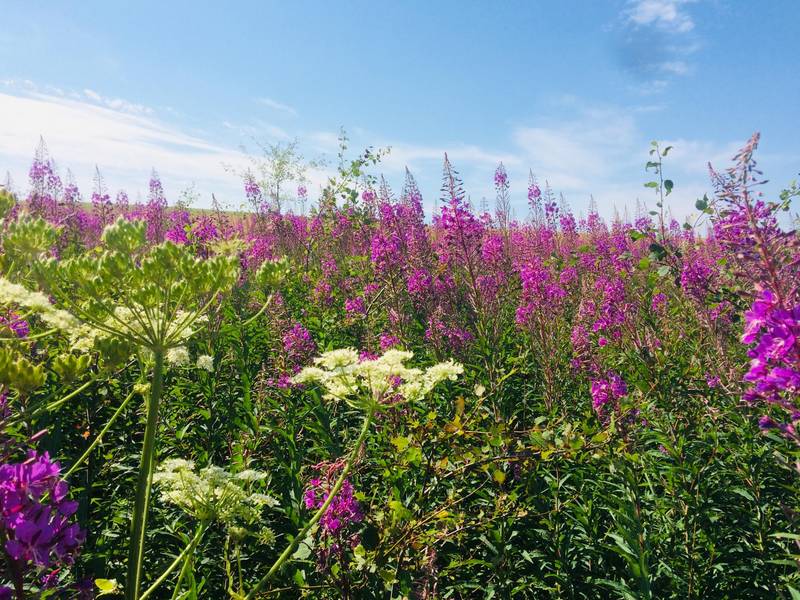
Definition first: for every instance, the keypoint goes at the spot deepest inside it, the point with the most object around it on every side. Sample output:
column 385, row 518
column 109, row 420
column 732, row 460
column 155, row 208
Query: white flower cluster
column 13, row 293
column 212, row 493
column 206, row 363
column 179, row 357
column 357, row 382
column 83, row 337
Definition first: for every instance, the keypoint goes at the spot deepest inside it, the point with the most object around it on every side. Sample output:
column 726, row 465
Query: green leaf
column 701, row 203
column 400, row 512
column 401, row 443
column 668, row 185
column 304, row 549
column 107, row 586
column 743, row 493
column 651, row 184
column 623, row 545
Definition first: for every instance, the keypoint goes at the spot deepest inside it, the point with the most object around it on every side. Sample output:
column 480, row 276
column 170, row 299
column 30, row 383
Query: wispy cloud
column 592, row 150
column 655, row 41
column 118, row 103
column 125, row 146
column 666, row 14
column 278, row 106
column 258, row 130
column 601, row 151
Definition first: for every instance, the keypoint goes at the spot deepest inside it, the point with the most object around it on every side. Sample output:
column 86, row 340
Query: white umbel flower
column 385, row 379
column 205, row 362
column 13, row 293
column 178, row 357
column 212, row 493
column 337, row 358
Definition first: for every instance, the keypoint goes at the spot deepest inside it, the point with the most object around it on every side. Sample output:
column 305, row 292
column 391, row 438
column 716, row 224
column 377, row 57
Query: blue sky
column 573, row 89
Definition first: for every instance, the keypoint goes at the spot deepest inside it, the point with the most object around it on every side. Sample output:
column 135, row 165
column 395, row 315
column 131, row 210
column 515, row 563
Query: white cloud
column 665, row 14
column 676, row 67
column 113, row 103
column 258, row 129
column 581, row 149
column 602, row 152
column 599, row 151
column 275, row 105
column 125, row 146
column 656, row 39
column 419, row 156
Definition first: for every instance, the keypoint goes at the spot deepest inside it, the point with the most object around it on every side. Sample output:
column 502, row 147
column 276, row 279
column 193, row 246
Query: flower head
column 370, row 382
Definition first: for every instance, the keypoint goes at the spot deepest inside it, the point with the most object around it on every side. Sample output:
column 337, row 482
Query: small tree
column 279, row 165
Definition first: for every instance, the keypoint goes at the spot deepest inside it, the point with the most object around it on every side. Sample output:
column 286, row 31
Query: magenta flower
column 343, row 511
column 298, row 345
column 606, row 393
column 19, row 327
column 355, row 306
column 35, row 513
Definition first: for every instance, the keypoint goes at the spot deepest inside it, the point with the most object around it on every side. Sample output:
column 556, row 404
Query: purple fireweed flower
column 355, row 306
column 298, row 345
column 419, row 282
column 493, row 249
column 696, row 278
column 35, row 513
column 500, row 176
column 388, row 341
column 775, row 359
column 204, row 230
column 386, row 251
column 658, row 303
column 19, row 327
column 606, row 392
column 747, row 227
column 460, row 233
column 343, row 511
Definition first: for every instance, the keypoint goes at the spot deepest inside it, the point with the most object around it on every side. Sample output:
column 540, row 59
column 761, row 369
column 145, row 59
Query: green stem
column 99, row 437
column 139, row 523
column 59, row 403
column 29, row 338
column 318, row 515
column 259, row 313
column 182, row 576
column 181, row 557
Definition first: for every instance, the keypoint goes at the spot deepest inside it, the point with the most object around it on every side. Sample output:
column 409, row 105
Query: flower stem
column 99, row 437
column 178, row 559
column 318, row 515
column 139, row 523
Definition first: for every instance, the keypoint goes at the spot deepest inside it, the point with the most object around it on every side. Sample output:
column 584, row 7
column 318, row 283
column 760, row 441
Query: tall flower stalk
column 369, row 385
column 152, row 298
column 769, row 258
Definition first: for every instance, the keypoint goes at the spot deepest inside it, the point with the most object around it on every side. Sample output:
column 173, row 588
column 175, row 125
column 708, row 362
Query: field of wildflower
column 359, row 401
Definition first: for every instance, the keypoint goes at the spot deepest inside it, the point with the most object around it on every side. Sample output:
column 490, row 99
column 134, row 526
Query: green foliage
column 503, row 483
